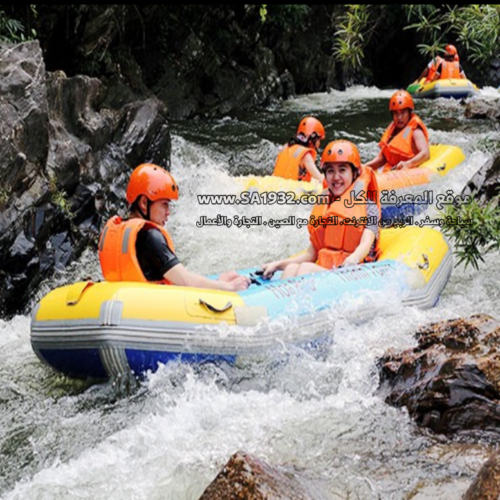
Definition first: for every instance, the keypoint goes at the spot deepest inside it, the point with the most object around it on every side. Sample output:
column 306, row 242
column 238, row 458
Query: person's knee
column 308, row 268
column 290, row 270
column 305, row 268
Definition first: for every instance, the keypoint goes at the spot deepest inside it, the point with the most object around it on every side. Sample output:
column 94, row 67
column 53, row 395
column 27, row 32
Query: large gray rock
column 450, row 382
column 485, row 184
column 483, row 108
column 24, row 136
column 66, row 157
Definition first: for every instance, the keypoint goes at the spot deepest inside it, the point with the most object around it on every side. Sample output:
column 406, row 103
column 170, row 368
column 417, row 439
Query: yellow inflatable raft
column 457, row 88
column 102, row 330
column 411, row 182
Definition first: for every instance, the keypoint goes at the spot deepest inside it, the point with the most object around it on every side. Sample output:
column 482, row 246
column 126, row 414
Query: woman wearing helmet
column 405, row 143
column 297, row 159
column 140, row 248
column 336, row 235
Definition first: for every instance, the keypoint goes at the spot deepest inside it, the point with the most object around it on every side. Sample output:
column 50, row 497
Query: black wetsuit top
column 153, row 253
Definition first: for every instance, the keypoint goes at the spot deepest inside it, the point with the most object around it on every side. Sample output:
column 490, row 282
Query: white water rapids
column 319, row 418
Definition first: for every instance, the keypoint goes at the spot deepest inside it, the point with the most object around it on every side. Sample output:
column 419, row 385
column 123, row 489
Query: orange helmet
column 451, row 50
column 152, row 181
column 341, row 151
column 311, row 128
column 401, row 100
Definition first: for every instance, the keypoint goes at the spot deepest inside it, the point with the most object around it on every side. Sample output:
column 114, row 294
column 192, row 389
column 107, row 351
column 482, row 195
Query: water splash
column 315, row 412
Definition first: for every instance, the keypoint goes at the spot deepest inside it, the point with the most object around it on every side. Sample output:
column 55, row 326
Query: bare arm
column 309, row 255
column 377, row 162
column 179, row 275
column 423, row 74
column 362, row 250
column 423, row 154
column 308, row 163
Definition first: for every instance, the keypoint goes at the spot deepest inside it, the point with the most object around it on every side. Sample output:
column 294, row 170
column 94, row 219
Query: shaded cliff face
column 198, row 61
column 222, row 60
column 66, row 158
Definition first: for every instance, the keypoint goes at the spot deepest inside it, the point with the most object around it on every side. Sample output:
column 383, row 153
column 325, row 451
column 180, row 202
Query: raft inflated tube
column 458, row 88
column 443, row 159
column 103, row 330
column 413, row 182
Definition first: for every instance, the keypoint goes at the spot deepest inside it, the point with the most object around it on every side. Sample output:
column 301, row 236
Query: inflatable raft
column 111, row 329
column 402, row 191
column 457, row 88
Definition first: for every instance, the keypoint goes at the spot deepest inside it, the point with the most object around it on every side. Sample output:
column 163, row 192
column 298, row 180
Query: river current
column 318, row 418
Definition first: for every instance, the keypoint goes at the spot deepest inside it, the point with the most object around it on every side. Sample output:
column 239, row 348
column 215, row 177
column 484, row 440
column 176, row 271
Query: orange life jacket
column 117, row 252
column 288, row 163
column 334, row 242
column 433, row 66
column 400, row 147
column 450, row 69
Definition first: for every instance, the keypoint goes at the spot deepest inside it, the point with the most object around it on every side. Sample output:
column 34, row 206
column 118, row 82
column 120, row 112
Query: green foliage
column 421, row 10
column 429, row 22
column 4, row 196
column 474, row 229
column 349, row 43
column 285, row 16
column 263, row 13
column 59, row 197
column 14, row 31
column 476, row 27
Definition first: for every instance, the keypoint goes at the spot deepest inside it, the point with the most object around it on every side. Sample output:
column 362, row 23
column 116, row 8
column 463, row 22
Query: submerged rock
column 483, row 108
column 246, row 477
column 486, row 485
column 485, row 184
column 450, row 382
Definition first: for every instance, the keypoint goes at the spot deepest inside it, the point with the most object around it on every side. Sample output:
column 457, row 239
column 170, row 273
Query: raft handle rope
column 425, row 265
column 214, row 309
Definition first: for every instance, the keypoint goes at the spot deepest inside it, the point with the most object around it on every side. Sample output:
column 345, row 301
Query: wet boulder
column 485, row 184
column 483, row 108
column 246, row 477
column 449, row 382
column 486, row 485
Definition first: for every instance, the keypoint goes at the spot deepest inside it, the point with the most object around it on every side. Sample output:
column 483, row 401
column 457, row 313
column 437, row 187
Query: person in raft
column 335, row 245
column 434, row 70
column 140, row 248
column 405, row 143
column 449, row 66
column 297, row 159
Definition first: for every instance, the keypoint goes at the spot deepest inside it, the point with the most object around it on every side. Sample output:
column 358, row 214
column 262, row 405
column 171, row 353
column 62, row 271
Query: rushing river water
column 319, row 418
